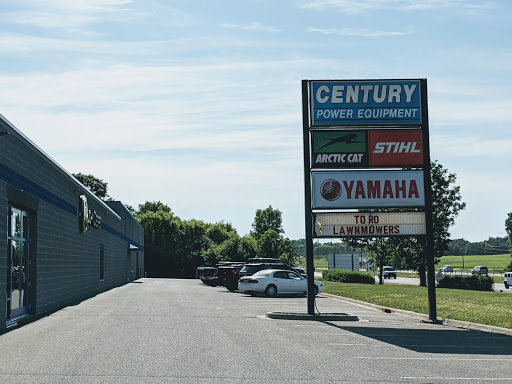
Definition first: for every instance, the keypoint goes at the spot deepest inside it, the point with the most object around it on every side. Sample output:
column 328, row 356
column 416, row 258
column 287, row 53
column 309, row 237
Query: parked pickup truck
column 208, row 275
column 228, row 275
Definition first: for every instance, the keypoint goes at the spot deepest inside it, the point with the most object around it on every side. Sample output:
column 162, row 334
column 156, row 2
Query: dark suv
column 250, row 269
column 480, row 270
column 388, row 272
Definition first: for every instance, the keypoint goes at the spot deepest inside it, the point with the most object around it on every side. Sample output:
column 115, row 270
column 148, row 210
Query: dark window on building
column 102, row 262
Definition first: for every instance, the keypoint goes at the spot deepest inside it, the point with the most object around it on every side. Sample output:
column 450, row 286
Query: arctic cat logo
column 347, row 139
column 339, row 158
column 396, row 147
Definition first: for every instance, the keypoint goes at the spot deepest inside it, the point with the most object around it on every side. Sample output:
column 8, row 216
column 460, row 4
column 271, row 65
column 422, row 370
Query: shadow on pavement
column 443, row 339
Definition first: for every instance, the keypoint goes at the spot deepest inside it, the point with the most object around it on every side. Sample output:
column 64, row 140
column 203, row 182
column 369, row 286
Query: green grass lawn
column 493, row 262
column 490, row 308
column 319, row 263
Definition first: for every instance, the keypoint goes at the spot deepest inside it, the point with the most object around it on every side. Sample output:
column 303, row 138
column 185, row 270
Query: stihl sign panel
column 339, row 149
column 350, row 224
column 390, row 148
column 365, row 102
column 367, row 189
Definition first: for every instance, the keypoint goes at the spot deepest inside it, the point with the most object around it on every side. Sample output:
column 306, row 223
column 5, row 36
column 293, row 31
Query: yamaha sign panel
column 367, row 189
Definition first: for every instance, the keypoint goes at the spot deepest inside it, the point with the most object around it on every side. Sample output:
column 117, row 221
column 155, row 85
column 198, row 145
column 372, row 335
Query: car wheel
column 395, row 277
column 506, row 285
column 316, row 290
column 271, row 290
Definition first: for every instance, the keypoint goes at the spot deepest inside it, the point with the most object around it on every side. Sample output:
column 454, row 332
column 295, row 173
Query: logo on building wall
column 83, row 214
column 87, row 217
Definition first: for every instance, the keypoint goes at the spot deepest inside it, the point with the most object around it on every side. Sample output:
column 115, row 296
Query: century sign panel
column 367, row 189
column 396, row 148
column 354, row 224
column 365, row 103
column 339, row 149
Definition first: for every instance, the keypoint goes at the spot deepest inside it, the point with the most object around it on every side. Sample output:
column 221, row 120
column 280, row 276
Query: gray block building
column 60, row 243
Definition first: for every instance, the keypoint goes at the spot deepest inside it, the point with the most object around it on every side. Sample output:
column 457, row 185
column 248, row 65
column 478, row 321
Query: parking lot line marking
column 431, row 358
column 455, row 378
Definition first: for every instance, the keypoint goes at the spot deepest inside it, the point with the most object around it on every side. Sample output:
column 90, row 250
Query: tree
column 289, row 252
column 508, row 228
column 162, row 232
column 446, row 205
column 219, row 232
column 153, row 206
column 267, row 219
column 247, row 247
column 95, row 185
column 269, row 244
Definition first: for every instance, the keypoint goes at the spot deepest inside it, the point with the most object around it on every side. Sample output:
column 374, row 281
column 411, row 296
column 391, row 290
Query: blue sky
column 198, row 103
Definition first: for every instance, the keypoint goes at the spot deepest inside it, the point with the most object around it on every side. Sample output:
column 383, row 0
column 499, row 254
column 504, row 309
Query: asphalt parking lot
column 182, row 331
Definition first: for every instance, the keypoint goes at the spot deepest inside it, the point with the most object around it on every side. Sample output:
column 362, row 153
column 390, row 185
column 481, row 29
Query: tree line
column 176, row 247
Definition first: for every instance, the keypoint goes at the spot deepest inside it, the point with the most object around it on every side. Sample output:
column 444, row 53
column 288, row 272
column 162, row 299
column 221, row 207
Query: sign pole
column 429, row 224
column 310, row 266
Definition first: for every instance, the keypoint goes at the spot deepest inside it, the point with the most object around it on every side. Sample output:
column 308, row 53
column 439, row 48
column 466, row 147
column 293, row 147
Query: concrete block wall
column 66, row 263
column 3, row 248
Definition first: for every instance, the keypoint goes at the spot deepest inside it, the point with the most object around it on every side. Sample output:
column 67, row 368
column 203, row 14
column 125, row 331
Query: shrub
column 474, row 283
column 346, row 276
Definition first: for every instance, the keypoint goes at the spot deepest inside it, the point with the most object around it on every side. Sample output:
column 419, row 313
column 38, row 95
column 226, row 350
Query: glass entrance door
column 18, row 282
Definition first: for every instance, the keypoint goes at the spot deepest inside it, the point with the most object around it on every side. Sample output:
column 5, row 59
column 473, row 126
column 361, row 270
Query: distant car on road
column 271, row 282
column 507, row 279
column 446, row 268
column 388, row 272
column 480, row 270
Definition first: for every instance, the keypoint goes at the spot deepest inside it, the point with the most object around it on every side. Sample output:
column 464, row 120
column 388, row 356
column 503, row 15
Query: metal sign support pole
column 429, row 225
column 310, row 266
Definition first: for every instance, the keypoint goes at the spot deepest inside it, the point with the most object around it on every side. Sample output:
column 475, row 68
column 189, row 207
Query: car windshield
column 389, row 268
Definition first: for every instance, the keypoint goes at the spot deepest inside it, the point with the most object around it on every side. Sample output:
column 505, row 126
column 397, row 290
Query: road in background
column 182, row 331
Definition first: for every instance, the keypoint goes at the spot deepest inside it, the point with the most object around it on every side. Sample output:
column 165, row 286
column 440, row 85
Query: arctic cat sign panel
column 365, row 103
column 339, row 149
column 367, row 189
column 396, row 148
column 351, row 224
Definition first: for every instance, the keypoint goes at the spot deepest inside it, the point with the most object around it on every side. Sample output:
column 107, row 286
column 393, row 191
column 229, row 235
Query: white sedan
column 271, row 282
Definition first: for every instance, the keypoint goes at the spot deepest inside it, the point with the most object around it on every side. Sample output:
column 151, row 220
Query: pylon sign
column 366, row 147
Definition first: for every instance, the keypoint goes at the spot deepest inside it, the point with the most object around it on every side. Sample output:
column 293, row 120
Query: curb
column 306, row 316
column 424, row 318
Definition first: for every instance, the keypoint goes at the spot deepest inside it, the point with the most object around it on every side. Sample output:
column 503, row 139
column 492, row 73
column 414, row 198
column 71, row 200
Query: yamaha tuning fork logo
column 330, row 189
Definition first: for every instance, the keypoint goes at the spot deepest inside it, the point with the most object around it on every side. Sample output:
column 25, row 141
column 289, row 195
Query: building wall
column 65, row 263
column 3, row 258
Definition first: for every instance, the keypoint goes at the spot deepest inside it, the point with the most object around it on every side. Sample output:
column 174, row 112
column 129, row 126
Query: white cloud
column 255, row 26
column 70, row 16
column 361, row 6
column 357, row 33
